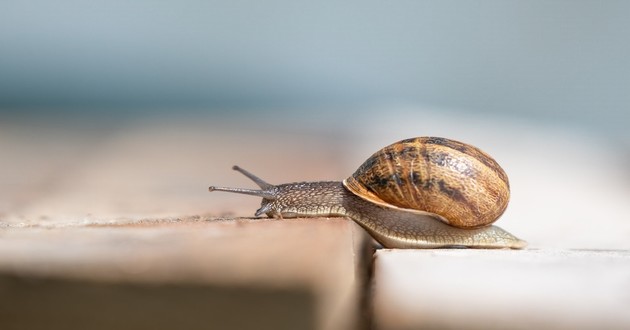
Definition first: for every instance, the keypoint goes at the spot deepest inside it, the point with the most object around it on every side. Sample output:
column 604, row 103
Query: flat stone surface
column 502, row 289
column 120, row 205
column 120, row 209
column 306, row 273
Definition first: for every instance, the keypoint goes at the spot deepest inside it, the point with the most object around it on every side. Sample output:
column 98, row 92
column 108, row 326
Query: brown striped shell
column 456, row 182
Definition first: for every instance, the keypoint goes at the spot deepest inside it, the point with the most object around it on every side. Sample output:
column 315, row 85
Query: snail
column 424, row 192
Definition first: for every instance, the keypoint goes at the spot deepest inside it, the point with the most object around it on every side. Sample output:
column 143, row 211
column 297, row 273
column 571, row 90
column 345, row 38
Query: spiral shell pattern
column 456, row 182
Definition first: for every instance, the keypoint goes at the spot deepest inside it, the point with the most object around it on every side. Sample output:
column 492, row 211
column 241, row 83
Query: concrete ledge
column 257, row 274
column 502, row 289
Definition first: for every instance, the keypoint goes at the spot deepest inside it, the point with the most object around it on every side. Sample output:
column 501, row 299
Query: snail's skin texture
column 423, row 192
column 393, row 228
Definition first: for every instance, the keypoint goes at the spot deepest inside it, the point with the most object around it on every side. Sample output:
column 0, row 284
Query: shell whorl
column 454, row 181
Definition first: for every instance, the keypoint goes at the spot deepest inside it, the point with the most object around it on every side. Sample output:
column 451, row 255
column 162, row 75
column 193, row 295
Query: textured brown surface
column 110, row 225
column 88, row 212
column 305, row 273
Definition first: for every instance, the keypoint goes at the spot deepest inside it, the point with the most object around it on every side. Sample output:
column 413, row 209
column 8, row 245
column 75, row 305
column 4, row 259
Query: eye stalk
column 266, row 189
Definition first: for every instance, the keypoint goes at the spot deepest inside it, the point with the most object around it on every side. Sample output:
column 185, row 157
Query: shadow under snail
column 424, row 192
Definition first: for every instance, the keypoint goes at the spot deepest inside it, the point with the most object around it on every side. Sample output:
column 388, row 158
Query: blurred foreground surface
column 111, row 222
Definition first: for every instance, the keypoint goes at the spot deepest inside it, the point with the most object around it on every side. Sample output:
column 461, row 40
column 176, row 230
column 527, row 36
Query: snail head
column 267, row 191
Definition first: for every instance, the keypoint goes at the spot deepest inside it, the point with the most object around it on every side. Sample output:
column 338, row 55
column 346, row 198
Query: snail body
column 423, row 192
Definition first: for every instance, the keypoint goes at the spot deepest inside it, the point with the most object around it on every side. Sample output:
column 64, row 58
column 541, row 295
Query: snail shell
column 453, row 181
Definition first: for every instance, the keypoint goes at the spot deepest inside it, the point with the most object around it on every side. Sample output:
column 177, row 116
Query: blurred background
column 562, row 61
column 109, row 106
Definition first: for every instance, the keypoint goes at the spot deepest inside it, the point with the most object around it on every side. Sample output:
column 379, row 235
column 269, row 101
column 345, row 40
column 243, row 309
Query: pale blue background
column 564, row 61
